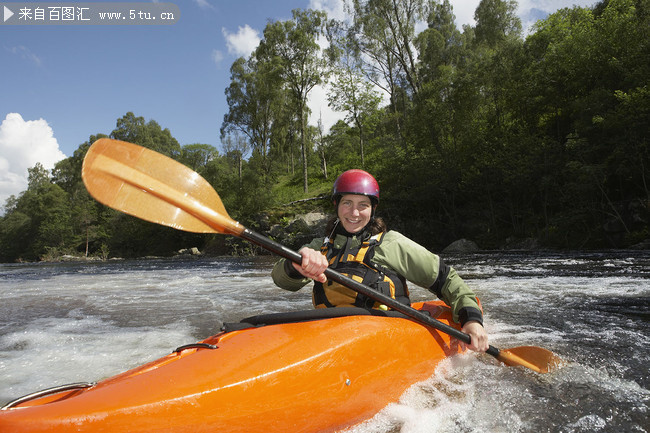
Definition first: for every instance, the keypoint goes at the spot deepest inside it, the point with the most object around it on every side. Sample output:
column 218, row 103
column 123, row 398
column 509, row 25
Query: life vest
column 356, row 263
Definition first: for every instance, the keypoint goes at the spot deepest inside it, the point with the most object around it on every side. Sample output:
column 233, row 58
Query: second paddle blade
column 536, row 358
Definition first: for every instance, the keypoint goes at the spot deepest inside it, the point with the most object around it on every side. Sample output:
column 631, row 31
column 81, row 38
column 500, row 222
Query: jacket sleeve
column 285, row 275
column 423, row 268
column 460, row 297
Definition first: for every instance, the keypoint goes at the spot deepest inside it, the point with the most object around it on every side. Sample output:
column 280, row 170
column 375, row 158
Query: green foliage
column 496, row 21
column 197, row 156
column 37, row 220
column 293, row 44
column 148, row 134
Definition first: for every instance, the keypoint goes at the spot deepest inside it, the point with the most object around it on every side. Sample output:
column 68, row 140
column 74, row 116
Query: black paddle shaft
column 363, row 289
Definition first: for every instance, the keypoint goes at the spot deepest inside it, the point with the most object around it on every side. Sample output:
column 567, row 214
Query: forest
column 481, row 132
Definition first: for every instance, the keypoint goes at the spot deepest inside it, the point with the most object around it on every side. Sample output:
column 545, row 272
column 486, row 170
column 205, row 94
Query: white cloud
column 529, row 11
column 532, row 10
column 203, row 4
column 464, row 11
column 217, row 57
column 317, row 103
column 26, row 54
column 242, row 43
column 22, row 145
column 334, row 8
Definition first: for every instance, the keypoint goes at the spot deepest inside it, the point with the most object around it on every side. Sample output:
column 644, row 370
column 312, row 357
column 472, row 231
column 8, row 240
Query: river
column 74, row 322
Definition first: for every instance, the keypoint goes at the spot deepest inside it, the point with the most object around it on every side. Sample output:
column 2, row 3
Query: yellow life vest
column 355, row 262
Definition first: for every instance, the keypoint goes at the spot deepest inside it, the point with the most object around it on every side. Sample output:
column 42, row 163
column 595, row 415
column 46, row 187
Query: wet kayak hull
column 310, row 376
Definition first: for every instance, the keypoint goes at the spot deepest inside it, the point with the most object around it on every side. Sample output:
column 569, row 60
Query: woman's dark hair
column 375, row 226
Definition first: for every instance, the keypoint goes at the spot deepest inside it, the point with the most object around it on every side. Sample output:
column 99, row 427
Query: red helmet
column 356, row 182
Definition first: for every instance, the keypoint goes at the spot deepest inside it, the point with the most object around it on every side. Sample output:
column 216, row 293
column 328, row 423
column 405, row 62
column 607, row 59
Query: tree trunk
column 303, row 145
column 358, row 122
column 324, row 163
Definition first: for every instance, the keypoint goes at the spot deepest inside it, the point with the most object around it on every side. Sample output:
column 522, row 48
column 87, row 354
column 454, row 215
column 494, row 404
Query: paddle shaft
column 363, row 289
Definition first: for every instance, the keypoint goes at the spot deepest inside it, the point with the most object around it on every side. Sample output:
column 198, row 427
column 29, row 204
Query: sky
column 60, row 84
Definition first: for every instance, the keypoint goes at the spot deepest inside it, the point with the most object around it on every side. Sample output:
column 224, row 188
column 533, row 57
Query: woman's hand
column 479, row 337
column 313, row 265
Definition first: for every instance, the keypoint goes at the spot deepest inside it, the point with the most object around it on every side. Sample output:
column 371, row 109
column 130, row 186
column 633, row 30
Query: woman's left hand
column 479, row 337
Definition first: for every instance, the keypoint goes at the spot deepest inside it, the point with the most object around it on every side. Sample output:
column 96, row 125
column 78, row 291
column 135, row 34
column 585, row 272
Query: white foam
column 57, row 351
column 450, row 401
column 588, row 423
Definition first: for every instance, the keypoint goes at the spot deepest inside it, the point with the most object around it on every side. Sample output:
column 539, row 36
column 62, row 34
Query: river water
column 63, row 323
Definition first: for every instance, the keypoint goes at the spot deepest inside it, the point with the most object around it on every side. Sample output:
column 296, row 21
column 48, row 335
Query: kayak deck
column 302, row 372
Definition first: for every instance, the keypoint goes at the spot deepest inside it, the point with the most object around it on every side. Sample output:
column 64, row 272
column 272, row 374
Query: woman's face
column 354, row 211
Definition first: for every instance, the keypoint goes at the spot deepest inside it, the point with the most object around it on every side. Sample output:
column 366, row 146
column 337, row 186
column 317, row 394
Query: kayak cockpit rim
column 310, row 315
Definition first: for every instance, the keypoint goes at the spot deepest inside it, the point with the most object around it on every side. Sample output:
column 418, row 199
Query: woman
column 359, row 245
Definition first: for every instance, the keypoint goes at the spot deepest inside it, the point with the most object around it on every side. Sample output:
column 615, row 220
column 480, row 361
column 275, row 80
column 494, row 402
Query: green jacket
column 411, row 260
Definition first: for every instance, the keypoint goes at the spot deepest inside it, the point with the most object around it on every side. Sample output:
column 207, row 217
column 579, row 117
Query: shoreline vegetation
column 304, row 227
column 510, row 140
column 67, row 258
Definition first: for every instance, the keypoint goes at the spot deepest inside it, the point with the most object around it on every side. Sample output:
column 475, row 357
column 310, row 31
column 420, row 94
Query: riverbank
column 295, row 230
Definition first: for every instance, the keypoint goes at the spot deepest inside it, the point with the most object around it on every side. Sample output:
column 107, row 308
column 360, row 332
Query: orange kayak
column 293, row 372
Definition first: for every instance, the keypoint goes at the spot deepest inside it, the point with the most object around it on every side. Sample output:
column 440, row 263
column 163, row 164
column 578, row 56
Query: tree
column 197, row 156
column 85, row 212
column 382, row 33
column 446, row 106
column 254, row 89
column 38, row 220
column 441, row 46
column 496, row 20
column 15, row 232
column 235, row 146
column 150, row 135
column 294, row 42
column 340, row 147
column 350, row 92
column 37, row 177
column 284, row 144
column 55, row 223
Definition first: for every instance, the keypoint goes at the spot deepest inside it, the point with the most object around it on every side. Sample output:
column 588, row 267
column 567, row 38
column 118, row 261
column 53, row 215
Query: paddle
column 153, row 187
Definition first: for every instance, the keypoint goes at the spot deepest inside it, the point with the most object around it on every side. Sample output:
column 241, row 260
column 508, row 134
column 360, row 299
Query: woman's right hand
column 313, row 265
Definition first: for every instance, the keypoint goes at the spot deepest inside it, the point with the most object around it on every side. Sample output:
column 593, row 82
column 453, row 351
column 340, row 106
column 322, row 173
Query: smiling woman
column 359, row 245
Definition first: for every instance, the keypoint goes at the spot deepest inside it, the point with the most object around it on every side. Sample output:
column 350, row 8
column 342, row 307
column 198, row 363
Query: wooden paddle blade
column 151, row 186
column 536, row 358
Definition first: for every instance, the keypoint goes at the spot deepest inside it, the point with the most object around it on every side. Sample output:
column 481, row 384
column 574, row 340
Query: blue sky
column 81, row 79
column 61, row 84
